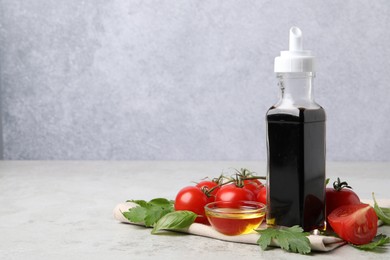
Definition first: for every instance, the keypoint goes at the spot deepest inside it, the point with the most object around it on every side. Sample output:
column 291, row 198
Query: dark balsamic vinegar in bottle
column 296, row 144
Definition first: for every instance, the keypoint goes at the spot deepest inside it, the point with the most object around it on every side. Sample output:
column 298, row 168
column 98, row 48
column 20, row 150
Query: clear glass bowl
column 235, row 218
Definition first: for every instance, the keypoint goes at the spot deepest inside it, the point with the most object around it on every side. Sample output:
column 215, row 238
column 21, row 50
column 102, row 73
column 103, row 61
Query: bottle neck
column 296, row 90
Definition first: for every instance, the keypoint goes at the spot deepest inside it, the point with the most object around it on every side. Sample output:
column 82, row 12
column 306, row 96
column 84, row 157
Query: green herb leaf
column 136, row 215
column 154, row 214
column 291, row 239
column 149, row 212
column 385, row 210
column 160, row 202
column 266, row 236
column 382, row 213
column 175, row 221
column 327, row 181
column 378, row 242
column 142, row 203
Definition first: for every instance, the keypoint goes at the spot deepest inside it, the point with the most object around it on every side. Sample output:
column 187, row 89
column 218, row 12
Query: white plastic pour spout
column 295, row 43
column 295, row 59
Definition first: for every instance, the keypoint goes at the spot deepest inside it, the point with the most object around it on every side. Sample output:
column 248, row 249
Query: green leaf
column 154, row 213
column 266, row 237
column 291, row 239
column 385, row 210
column 160, row 202
column 378, row 242
column 142, row 203
column 327, row 181
column 175, row 220
column 382, row 213
column 136, row 214
column 149, row 212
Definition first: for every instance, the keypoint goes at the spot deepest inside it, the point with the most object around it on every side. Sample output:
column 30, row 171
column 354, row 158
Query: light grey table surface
column 63, row 209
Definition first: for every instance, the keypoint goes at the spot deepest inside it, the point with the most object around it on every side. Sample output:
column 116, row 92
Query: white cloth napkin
column 317, row 242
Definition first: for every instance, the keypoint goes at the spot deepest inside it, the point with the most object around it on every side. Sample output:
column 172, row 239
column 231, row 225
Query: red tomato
column 208, row 185
column 193, row 199
column 233, row 193
column 356, row 224
column 337, row 198
column 262, row 196
column 254, row 186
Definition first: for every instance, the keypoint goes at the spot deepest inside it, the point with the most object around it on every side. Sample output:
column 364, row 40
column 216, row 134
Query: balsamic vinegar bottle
column 296, row 143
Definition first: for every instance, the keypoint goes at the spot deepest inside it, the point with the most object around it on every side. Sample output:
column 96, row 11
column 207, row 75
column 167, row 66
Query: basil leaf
column 378, row 241
column 175, row 221
column 382, row 213
column 385, row 210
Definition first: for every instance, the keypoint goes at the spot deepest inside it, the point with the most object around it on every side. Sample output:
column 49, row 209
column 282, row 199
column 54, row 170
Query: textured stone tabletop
column 63, row 209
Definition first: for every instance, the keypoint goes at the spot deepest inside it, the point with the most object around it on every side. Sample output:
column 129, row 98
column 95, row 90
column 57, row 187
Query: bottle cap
column 295, row 59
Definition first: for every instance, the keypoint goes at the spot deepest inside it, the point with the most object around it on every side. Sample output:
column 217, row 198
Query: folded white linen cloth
column 317, row 242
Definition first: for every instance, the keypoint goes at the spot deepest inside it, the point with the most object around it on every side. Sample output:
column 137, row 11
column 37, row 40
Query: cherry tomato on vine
column 254, row 186
column 340, row 195
column 262, row 196
column 356, row 224
column 208, row 185
column 233, row 193
column 193, row 199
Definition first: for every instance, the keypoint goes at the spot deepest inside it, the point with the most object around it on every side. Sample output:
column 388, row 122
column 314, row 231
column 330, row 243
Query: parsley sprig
column 292, row 239
column 150, row 212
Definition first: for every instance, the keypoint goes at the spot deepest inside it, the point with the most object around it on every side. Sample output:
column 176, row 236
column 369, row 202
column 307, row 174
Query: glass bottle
column 296, row 144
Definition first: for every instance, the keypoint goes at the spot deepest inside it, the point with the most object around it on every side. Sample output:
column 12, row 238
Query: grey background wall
column 184, row 80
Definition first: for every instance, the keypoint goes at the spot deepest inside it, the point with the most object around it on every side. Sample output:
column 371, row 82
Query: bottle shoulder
column 296, row 114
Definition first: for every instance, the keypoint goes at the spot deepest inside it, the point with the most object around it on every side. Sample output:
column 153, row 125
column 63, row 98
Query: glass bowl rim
column 257, row 207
